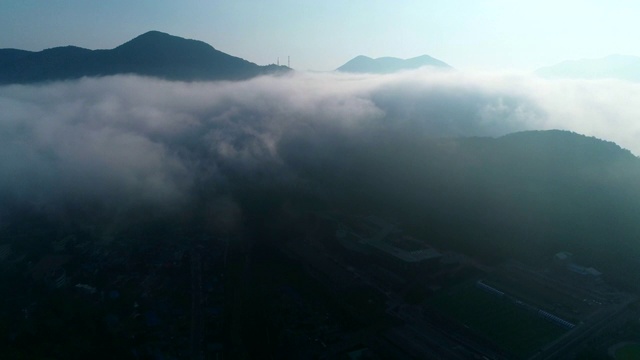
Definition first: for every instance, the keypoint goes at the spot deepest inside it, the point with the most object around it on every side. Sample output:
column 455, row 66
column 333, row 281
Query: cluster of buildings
column 139, row 291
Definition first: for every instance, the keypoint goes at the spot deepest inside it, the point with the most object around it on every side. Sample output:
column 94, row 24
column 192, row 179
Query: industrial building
column 375, row 237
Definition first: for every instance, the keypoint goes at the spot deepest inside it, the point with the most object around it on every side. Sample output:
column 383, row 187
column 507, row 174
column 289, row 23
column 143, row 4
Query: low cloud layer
column 127, row 140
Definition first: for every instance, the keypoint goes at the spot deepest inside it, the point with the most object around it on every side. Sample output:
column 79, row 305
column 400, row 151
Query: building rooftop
column 385, row 237
column 583, row 270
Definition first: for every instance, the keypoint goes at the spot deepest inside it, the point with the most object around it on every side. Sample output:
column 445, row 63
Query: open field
column 516, row 330
column 566, row 303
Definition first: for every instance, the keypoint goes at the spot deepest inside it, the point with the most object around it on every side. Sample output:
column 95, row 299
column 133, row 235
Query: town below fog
column 325, row 285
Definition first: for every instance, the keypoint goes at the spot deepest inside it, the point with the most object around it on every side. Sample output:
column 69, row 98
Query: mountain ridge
column 153, row 53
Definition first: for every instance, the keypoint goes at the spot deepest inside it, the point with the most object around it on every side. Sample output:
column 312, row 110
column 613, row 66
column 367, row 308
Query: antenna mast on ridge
column 288, row 61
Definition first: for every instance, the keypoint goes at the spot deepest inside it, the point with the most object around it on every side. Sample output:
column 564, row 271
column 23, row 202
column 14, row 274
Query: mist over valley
column 255, row 178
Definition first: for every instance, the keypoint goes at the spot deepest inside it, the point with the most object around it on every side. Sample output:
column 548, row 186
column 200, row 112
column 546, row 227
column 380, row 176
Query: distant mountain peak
column 159, row 39
column 387, row 64
column 616, row 66
column 155, row 35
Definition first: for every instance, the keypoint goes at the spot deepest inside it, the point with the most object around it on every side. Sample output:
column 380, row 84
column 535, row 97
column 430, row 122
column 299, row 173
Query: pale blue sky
column 322, row 35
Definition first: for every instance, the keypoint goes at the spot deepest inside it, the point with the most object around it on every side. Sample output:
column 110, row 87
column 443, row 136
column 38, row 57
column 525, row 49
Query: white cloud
column 132, row 139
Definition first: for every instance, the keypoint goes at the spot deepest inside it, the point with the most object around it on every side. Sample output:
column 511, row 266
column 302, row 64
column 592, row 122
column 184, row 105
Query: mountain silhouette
column 387, row 65
column 153, row 54
column 622, row 67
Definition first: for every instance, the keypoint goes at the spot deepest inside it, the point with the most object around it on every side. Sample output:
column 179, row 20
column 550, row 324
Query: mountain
column 9, row 55
column 153, row 54
column 621, row 67
column 526, row 195
column 387, row 65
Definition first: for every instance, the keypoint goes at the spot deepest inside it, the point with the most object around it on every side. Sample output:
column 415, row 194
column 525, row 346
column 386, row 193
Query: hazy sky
column 322, row 35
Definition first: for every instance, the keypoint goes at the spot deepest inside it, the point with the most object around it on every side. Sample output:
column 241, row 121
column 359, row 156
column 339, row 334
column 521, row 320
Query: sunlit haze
column 322, row 35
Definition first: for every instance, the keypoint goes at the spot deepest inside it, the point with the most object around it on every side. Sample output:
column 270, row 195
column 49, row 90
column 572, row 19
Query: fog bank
column 127, row 140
